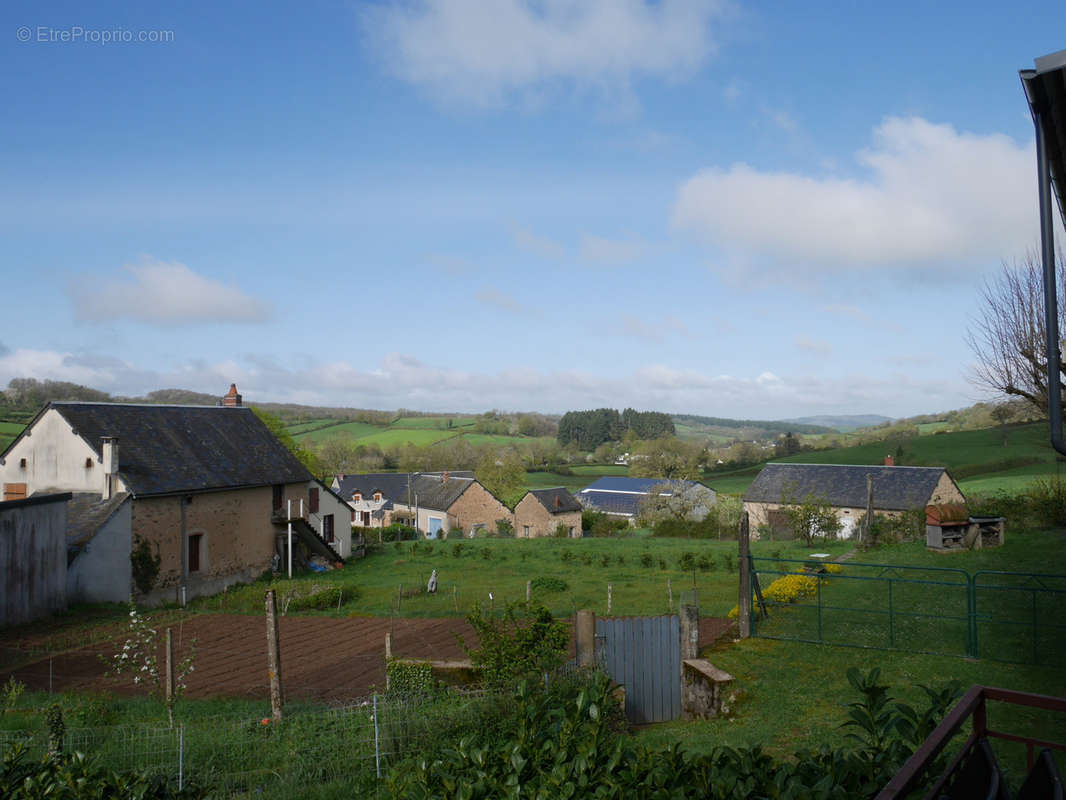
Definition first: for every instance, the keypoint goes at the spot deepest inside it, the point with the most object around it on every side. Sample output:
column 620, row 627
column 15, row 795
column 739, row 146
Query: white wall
column 101, row 573
column 55, row 459
column 342, row 519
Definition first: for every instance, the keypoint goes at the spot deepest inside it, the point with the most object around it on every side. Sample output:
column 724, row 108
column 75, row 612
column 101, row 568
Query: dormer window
column 357, row 496
column 377, row 496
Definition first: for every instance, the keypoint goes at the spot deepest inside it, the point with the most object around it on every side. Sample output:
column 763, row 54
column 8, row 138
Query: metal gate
column 643, row 654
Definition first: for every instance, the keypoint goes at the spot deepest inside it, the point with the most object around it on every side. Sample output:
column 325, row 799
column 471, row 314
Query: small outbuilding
column 542, row 511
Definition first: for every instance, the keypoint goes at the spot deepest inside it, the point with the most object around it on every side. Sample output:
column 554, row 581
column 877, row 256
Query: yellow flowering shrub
column 786, row 589
column 833, row 569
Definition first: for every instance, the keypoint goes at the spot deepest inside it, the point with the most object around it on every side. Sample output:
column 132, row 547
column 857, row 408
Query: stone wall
column 531, row 513
column 478, row 505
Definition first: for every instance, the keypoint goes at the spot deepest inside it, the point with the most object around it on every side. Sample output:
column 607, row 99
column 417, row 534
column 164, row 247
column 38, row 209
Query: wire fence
column 356, row 744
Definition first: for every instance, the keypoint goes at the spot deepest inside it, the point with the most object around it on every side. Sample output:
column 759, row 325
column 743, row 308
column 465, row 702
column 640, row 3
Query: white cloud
column 609, row 252
column 930, row 196
column 401, row 380
column 164, row 293
column 475, row 53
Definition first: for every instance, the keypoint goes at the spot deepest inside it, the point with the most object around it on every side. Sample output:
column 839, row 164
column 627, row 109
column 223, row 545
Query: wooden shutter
column 312, row 500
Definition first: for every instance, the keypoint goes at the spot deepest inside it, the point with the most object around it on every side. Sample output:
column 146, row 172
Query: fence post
column 690, row 632
column 744, row 568
column 181, row 755
column 170, row 676
column 669, row 596
column 529, row 591
column 891, row 618
column 609, row 598
column 377, row 739
column 819, row 590
column 585, row 637
column 274, row 655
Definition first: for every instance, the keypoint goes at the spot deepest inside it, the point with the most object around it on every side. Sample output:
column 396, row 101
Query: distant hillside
column 842, row 422
column 691, row 426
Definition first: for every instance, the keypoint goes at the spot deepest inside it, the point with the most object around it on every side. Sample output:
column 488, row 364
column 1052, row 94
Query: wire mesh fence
column 356, row 744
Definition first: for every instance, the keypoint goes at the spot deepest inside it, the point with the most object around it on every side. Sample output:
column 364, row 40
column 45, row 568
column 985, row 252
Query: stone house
column 370, row 495
column 843, row 487
column 206, row 487
column 442, row 502
column 542, row 511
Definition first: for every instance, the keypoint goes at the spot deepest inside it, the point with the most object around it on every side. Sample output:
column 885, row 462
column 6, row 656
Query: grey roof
column 895, row 488
column 1045, row 89
column 612, row 502
column 435, row 492
column 87, row 512
column 617, row 483
column 175, row 449
column 557, row 500
column 391, row 484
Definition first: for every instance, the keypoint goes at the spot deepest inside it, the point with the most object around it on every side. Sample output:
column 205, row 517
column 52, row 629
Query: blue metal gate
column 643, row 654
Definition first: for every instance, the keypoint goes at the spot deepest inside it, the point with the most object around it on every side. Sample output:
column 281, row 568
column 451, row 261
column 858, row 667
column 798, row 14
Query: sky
column 759, row 210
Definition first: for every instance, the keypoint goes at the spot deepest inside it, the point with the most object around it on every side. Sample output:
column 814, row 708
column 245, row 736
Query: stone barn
column 542, row 511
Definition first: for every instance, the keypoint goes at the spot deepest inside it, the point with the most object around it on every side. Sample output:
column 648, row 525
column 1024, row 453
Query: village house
column 625, row 497
column 542, row 511
column 208, row 488
column 370, row 495
column 442, row 503
column 844, row 488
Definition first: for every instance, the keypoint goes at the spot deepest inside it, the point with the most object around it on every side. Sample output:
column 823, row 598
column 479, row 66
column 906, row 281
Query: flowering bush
column 787, row 589
column 138, row 658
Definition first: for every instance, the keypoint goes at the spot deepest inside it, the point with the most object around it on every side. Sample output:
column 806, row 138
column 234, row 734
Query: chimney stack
column 110, row 459
column 558, row 501
column 232, row 399
column 444, row 477
column 890, row 461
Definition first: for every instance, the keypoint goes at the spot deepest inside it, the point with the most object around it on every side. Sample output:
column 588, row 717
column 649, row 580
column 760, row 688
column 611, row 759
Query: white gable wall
column 55, row 459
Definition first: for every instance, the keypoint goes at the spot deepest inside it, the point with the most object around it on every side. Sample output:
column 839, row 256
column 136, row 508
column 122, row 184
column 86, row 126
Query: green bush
column 457, row 550
column 524, row 642
column 646, row 560
column 549, row 583
column 397, row 531
column 687, row 561
column 321, row 598
column 705, row 563
column 409, row 677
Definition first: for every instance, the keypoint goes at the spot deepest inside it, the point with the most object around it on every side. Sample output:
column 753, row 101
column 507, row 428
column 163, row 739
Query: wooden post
column 585, row 637
column 695, row 597
column 608, row 598
column 399, row 599
column 274, row 655
column 529, row 591
column 669, row 596
column 388, row 646
column 865, row 533
column 744, row 568
column 455, row 596
column 169, row 687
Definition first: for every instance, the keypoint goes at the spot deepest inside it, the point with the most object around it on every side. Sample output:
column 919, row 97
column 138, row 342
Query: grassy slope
column 433, row 422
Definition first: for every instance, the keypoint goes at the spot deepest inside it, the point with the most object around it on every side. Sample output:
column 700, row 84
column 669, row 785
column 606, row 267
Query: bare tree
column 1009, row 337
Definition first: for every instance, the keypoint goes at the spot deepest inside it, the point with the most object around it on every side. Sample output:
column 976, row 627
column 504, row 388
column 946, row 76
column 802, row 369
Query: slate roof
column 895, row 488
column 434, row 492
column 391, row 484
column 614, row 483
column 86, row 514
column 175, row 449
column 611, row 502
column 547, row 498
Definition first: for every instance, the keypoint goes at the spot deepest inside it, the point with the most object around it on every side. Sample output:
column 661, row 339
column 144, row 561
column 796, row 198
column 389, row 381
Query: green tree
column 502, row 473
column 277, row 427
column 667, row 457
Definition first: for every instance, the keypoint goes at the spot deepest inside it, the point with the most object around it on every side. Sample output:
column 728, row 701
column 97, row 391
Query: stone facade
column 532, row 519
column 477, row 505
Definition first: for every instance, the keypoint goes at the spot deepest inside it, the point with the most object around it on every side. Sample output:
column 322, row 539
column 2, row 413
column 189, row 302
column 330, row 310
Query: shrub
column 687, row 561
column 522, row 643
column 397, row 532
column 605, row 560
column 548, row 583
column 504, row 527
column 409, row 677
column 646, row 560
column 457, row 550
column 662, row 563
column 562, row 531
column 486, row 553
column 705, row 563
column 566, row 555
column 322, row 598
column 144, row 564
column 730, row 562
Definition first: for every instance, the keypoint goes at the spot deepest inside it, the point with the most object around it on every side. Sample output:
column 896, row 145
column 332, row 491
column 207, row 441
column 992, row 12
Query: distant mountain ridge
column 843, row 422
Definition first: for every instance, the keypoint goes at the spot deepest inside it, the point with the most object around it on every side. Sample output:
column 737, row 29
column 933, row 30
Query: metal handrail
column 972, row 705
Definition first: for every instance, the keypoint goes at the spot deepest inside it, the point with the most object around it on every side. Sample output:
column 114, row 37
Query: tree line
column 590, row 429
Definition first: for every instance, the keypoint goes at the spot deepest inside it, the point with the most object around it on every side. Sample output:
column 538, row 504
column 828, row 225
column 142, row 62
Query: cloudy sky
column 747, row 209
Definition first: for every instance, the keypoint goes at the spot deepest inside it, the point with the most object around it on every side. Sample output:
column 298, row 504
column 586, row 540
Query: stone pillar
column 585, row 637
column 690, row 632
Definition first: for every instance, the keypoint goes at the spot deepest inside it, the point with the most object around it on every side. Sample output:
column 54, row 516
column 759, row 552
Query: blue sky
column 757, row 210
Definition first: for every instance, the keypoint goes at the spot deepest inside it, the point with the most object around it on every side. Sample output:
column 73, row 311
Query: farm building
column 542, row 511
column 33, row 557
column 625, row 497
column 843, row 487
column 207, row 487
column 444, row 502
column 371, row 495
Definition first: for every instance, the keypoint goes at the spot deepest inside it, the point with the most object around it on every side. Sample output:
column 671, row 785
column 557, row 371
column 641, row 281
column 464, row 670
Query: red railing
column 972, row 705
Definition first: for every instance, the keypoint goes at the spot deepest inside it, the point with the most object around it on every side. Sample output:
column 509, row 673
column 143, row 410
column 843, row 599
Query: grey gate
column 643, row 654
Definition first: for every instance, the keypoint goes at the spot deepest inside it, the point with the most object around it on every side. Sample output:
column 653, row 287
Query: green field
column 601, row 469
column 547, row 480
column 433, row 422
column 926, row 428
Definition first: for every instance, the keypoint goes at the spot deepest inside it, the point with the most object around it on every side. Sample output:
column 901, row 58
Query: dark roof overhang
column 1045, row 89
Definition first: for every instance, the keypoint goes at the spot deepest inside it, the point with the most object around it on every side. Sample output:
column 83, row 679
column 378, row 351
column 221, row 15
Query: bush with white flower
column 139, row 658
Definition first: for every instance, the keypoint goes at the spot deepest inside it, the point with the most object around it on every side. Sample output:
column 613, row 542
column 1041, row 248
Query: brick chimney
column 444, row 477
column 558, row 501
column 110, row 459
column 890, row 461
column 232, row 399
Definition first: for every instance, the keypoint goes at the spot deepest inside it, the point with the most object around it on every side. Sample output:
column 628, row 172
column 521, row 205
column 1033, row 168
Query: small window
column 525, row 531
column 195, row 543
column 377, row 496
column 22, row 463
column 279, row 496
column 357, row 497
column 312, row 500
column 327, row 528
column 88, row 463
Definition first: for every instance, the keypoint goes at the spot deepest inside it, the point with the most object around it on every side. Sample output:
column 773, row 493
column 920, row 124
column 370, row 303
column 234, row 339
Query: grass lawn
column 501, row 439
column 545, row 480
column 416, row 436
column 601, row 469
column 1011, row 480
